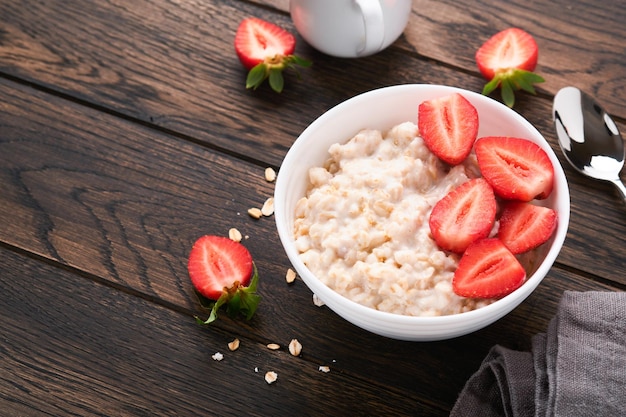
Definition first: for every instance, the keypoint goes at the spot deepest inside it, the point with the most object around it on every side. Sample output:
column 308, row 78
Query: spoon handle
column 620, row 186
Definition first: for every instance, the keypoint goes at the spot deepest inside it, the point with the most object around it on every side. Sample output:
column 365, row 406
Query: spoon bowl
column 588, row 137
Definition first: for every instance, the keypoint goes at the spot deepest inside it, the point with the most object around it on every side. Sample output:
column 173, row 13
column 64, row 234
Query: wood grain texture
column 72, row 346
column 126, row 133
column 97, row 205
column 98, row 198
column 568, row 35
column 152, row 71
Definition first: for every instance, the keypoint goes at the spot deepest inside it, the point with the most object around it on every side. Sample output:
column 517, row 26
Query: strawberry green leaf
column 508, row 95
column 296, row 60
column 276, row 80
column 213, row 316
column 511, row 80
column 213, row 306
column 491, row 85
column 256, row 76
column 533, row 78
column 526, row 79
column 523, row 84
column 243, row 300
column 248, row 304
column 272, row 70
column 254, row 282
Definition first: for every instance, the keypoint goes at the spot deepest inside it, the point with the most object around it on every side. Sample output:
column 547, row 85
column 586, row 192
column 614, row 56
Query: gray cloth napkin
column 576, row 368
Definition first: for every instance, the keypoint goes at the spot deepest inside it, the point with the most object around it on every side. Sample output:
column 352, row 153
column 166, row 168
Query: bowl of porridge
column 352, row 204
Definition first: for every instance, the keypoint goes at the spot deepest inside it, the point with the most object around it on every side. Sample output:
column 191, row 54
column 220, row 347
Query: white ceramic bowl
column 382, row 109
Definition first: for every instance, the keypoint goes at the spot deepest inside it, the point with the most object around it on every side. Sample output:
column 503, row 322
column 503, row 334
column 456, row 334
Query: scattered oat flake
column 271, row 377
column 234, row 345
column 256, row 369
column 273, row 346
column 317, row 301
column 217, row 356
column 234, row 234
column 291, row 276
column 255, row 213
column 268, row 207
column 295, row 348
column 270, row 174
column 325, row 369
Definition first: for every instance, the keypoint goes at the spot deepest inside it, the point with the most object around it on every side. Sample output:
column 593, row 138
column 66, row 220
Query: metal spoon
column 589, row 138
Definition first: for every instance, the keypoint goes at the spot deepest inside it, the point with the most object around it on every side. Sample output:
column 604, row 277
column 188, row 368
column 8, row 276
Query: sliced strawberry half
column 510, row 48
column 487, row 269
column 507, row 60
column 222, row 270
column 464, row 215
column 525, row 226
column 266, row 50
column 257, row 39
column 449, row 126
column 517, row 169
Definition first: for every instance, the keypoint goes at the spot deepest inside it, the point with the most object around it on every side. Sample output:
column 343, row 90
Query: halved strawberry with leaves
column 449, row 126
column 487, row 269
column 223, row 273
column 524, row 226
column 464, row 215
column 516, row 168
column 507, row 59
column 266, row 50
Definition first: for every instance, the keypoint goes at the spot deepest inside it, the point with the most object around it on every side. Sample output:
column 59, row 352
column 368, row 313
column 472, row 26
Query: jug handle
column 372, row 13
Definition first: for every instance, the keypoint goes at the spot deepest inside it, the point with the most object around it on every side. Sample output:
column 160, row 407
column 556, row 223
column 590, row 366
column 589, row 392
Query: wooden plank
column 75, row 172
column 71, row 346
column 115, row 156
column 80, row 194
column 143, row 71
column 75, row 191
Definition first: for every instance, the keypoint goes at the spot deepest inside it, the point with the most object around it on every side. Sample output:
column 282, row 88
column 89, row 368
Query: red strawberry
column 266, row 50
column 517, row 169
column 464, row 215
column 524, row 226
column 487, row 269
column 449, row 126
column 222, row 270
column 507, row 59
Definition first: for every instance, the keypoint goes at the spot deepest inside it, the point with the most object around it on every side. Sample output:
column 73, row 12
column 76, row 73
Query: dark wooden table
column 126, row 133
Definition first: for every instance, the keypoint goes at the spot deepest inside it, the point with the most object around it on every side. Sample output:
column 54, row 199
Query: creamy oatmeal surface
column 363, row 226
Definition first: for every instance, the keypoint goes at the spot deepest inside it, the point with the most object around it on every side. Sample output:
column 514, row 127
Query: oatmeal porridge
column 362, row 227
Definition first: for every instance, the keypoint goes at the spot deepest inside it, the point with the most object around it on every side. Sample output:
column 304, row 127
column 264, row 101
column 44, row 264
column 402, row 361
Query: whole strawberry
column 508, row 60
column 266, row 50
column 223, row 274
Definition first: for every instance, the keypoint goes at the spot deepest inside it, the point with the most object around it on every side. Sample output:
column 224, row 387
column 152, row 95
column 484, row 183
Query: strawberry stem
column 272, row 69
column 511, row 80
column 237, row 299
